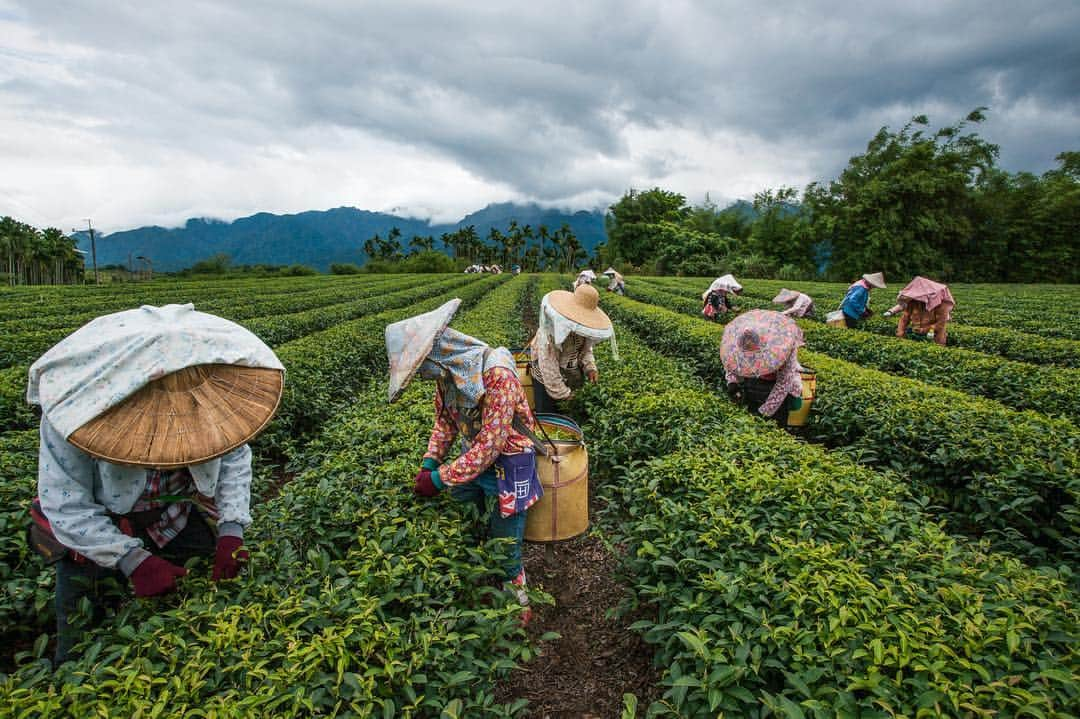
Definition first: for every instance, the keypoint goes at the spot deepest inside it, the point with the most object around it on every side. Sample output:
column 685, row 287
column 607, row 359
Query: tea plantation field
column 914, row 551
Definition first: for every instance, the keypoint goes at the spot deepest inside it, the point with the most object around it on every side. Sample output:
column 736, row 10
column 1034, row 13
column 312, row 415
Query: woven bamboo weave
column 184, row 418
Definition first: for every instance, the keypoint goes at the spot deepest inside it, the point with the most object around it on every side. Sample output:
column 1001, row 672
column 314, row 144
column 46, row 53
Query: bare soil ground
column 584, row 674
column 597, row 660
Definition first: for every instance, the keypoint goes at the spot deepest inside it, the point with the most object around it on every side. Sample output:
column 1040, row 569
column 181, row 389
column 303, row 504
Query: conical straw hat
column 876, row 279
column 409, row 341
column 186, row 417
column 582, row 306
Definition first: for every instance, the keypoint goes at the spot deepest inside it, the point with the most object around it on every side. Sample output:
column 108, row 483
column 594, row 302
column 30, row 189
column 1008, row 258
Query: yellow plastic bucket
column 563, row 511
column 522, row 359
column 809, row 394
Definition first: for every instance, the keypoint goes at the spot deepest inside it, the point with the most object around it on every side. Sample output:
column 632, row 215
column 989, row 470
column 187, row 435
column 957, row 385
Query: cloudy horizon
column 136, row 113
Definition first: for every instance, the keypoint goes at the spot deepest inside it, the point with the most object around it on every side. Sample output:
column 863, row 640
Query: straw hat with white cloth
column 727, row 283
column 564, row 313
column 160, row 387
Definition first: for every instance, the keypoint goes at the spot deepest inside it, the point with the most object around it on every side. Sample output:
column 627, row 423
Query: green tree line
column 29, row 256
column 916, row 201
column 534, row 249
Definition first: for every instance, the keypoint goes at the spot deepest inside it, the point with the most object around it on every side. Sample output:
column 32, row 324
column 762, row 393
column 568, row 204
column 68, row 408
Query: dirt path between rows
column 598, row 659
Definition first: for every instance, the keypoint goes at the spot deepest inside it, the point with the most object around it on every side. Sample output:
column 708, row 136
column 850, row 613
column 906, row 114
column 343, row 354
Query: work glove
column 155, row 576
column 592, row 375
column 230, row 558
column 427, row 483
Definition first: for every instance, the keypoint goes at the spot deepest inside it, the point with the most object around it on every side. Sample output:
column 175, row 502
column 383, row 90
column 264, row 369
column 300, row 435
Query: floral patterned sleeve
column 442, row 435
column 500, row 394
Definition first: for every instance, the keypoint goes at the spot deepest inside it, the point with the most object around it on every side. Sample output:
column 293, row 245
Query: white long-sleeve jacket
column 76, row 491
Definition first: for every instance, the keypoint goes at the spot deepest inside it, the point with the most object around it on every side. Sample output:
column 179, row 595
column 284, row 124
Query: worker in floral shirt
column 478, row 398
column 143, row 461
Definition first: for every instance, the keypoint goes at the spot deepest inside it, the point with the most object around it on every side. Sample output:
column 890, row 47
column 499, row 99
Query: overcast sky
column 151, row 112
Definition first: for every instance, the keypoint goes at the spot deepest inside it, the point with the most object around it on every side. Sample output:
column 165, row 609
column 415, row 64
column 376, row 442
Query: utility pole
column 93, row 252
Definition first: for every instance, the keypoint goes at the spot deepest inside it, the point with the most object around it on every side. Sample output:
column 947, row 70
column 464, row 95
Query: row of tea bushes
column 23, row 303
column 275, row 311
column 274, row 329
column 253, row 303
column 1045, row 389
column 361, row 600
column 314, row 393
column 781, row 579
column 1012, row 475
column 1000, row 341
column 1041, row 310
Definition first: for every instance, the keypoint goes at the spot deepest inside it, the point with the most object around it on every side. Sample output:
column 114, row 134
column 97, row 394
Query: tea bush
column 1049, row 390
column 1014, row 475
column 314, row 393
column 1004, row 341
column 273, row 329
column 784, row 579
column 361, row 599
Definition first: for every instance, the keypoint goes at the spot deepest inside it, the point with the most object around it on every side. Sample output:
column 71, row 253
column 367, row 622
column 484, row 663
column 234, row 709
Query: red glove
column 423, row 485
column 229, row 558
column 155, row 576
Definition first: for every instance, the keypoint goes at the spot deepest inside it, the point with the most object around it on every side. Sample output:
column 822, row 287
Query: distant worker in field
column 856, row 303
column 143, row 461
column 925, row 308
column 561, row 351
column 585, row 277
column 616, row 282
column 478, row 397
column 797, row 304
column 759, row 350
column 717, row 300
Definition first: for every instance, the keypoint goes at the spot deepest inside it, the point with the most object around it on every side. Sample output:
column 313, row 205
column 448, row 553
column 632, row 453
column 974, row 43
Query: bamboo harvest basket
column 563, row 511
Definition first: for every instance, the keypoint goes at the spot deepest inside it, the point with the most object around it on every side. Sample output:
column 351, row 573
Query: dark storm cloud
column 547, row 99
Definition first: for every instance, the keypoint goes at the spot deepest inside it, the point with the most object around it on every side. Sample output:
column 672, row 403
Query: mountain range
column 316, row 238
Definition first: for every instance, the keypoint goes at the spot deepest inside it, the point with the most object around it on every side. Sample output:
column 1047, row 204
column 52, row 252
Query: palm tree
column 500, row 241
column 526, row 237
column 421, row 244
column 32, row 256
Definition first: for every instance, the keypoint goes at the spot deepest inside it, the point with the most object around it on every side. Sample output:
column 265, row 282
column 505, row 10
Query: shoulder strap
column 519, row 426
